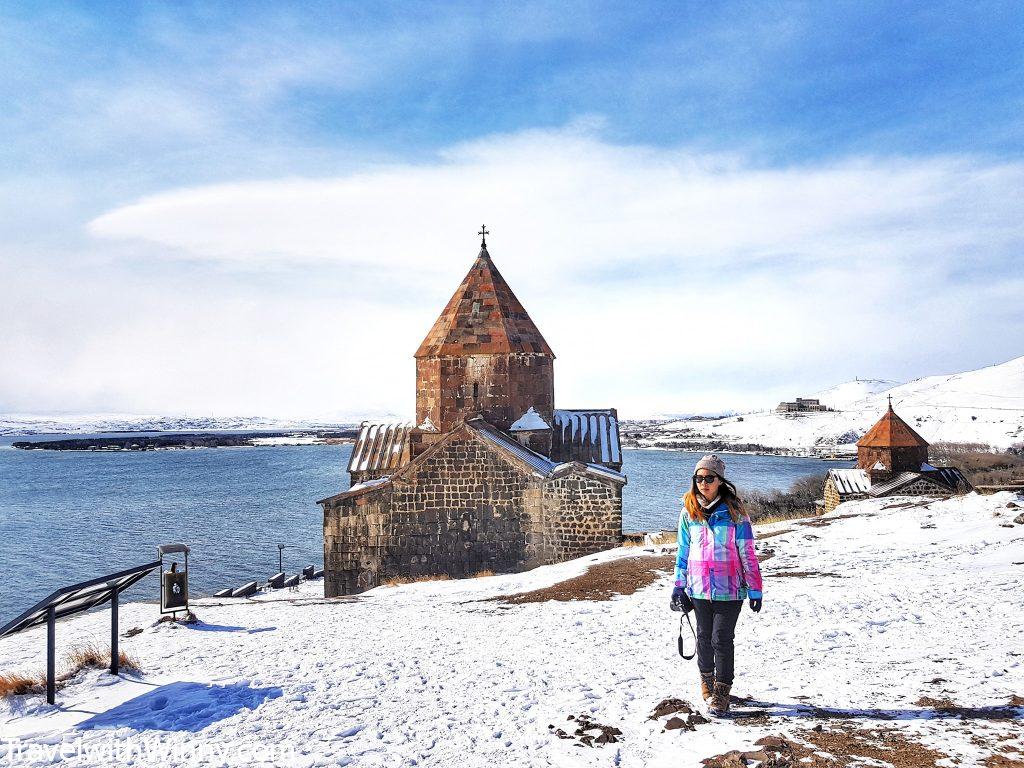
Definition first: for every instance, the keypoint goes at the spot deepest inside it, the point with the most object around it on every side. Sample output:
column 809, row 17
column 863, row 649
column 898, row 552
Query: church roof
column 530, row 461
column 590, row 436
column 379, row 446
column 849, row 481
column 891, row 432
column 541, row 464
column 948, row 479
column 483, row 317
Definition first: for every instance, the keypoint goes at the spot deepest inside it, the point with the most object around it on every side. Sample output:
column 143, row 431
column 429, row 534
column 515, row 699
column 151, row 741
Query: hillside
column 849, row 393
column 982, row 406
column 887, row 626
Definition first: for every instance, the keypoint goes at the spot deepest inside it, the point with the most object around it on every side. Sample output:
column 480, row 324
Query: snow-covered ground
column 848, row 394
column 899, row 602
column 984, row 406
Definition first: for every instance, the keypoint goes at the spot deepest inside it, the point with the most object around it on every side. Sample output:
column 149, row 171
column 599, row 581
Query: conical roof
column 891, row 432
column 483, row 317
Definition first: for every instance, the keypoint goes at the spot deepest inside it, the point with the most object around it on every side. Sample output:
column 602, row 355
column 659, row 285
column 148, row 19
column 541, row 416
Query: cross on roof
column 484, row 232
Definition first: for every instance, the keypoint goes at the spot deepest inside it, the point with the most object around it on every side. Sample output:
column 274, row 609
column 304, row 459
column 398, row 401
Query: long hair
column 728, row 494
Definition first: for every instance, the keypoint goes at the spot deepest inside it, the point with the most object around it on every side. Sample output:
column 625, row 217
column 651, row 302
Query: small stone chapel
column 892, row 460
column 491, row 476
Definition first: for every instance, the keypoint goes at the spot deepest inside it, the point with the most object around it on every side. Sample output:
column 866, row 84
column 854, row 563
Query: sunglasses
column 705, row 479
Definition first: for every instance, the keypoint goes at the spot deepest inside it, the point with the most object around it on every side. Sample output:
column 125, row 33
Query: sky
column 246, row 208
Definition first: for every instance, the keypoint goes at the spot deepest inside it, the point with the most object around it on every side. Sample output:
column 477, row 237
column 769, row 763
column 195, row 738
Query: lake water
column 67, row 516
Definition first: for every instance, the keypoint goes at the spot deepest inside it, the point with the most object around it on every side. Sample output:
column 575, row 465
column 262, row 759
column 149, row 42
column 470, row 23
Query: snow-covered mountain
column 845, row 395
column 982, row 406
column 887, row 631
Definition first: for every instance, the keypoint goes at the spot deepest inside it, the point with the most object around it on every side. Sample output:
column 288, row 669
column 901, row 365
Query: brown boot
column 719, row 704
column 707, row 684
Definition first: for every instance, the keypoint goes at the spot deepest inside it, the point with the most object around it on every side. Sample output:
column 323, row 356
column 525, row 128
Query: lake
column 67, row 516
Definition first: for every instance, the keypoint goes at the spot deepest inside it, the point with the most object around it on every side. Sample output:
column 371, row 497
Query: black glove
column 680, row 600
column 755, row 604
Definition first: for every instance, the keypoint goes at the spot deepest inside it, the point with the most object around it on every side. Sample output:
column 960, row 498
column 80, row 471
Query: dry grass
column 982, row 465
column 484, row 574
column 775, row 506
column 18, row 684
column 87, row 656
column 603, row 581
column 781, row 532
column 842, row 746
column 660, row 538
column 782, row 517
column 397, row 581
column 94, row 656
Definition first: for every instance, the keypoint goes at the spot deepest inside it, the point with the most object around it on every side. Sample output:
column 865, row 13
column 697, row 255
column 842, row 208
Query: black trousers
column 716, row 628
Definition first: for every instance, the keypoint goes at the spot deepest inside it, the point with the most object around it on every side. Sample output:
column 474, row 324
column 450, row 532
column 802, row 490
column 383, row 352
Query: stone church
column 892, row 460
column 490, row 476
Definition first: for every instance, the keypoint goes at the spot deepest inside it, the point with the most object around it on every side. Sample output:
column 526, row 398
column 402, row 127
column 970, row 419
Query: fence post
column 114, row 653
column 51, row 654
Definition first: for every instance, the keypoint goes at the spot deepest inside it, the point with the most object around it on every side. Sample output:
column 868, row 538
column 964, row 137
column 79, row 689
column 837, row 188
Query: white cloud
column 664, row 279
column 561, row 200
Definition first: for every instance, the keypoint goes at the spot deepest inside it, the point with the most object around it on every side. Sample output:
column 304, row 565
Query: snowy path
column 428, row 675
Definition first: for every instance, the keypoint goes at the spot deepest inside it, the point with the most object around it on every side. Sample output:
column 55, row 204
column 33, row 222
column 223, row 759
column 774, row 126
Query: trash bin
column 173, row 582
column 175, row 590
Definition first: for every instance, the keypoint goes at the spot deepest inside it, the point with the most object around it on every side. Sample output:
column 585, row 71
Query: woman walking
column 716, row 569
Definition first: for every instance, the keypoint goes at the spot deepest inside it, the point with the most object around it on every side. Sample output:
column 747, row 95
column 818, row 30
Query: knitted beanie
column 711, row 463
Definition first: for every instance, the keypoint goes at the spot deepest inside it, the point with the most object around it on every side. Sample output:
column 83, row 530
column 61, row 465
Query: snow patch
column 896, row 599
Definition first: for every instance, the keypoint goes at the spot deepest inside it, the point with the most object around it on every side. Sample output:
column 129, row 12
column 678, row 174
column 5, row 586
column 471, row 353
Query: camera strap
column 681, row 640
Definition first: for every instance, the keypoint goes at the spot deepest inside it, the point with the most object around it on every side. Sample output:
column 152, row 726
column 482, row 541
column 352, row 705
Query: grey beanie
column 711, row 463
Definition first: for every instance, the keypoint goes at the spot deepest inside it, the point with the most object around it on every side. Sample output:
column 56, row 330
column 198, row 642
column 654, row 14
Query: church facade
column 892, row 460
column 490, row 476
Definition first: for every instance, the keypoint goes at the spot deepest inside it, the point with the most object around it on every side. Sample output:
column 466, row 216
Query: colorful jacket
column 716, row 559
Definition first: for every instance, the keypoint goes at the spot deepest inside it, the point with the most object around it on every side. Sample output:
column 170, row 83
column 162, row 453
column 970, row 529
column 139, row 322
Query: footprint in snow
column 160, row 702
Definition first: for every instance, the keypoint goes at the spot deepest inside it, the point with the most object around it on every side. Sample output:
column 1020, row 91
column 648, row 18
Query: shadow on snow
column 182, row 706
column 202, row 626
column 760, row 709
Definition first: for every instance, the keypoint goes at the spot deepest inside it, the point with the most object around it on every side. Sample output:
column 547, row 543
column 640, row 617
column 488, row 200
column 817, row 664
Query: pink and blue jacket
column 716, row 559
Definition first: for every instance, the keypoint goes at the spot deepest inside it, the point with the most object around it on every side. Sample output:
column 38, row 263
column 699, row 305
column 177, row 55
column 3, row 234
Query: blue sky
column 232, row 193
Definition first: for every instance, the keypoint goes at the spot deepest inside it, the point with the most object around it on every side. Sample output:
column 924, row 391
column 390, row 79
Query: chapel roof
column 483, row 317
column 850, row 481
column 590, row 436
column 891, row 432
column 380, row 446
column 947, row 479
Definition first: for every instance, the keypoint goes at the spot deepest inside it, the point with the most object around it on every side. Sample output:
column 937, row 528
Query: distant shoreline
column 187, row 440
column 156, row 441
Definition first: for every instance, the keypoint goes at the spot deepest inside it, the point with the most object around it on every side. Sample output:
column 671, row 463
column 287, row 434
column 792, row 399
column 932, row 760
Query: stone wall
column 830, row 495
column 582, row 515
column 833, row 499
column 923, row 488
column 369, row 474
column 353, row 532
column 896, row 460
column 460, row 512
column 462, row 509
